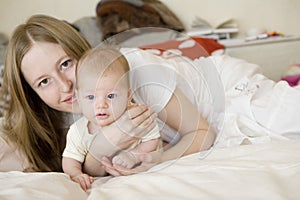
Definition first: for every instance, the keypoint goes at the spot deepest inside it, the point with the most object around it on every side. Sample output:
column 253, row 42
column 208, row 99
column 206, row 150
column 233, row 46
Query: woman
column 39, row 76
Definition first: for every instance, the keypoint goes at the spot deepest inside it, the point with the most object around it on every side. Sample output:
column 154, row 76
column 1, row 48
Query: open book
column 202, row 27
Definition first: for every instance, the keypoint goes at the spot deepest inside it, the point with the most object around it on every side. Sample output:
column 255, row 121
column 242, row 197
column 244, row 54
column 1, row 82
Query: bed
column 257, row 171
column 265, row 169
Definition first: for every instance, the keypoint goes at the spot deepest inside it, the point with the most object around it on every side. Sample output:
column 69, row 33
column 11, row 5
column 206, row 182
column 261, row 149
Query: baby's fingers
column 84, row 180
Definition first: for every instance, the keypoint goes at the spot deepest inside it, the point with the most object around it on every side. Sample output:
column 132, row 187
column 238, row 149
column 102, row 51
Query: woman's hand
column 148, row 160
column 136, row 122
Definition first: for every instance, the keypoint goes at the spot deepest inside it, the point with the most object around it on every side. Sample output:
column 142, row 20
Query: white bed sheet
column 257, row 171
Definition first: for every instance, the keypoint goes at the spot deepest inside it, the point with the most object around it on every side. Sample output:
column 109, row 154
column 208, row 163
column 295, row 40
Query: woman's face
column 51, row 73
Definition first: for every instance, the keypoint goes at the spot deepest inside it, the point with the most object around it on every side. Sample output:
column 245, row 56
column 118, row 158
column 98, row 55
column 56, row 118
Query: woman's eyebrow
column 37, row 80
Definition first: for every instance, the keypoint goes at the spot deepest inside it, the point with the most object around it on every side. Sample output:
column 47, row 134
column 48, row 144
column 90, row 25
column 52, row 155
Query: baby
column 104, row 94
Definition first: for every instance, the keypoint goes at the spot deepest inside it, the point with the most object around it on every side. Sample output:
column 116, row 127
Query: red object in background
column 192, row 48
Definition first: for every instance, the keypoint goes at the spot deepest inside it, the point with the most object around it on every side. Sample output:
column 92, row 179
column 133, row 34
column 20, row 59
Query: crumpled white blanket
column 256, row 171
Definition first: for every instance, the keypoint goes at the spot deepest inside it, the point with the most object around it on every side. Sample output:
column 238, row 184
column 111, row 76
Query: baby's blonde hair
column 102, row 60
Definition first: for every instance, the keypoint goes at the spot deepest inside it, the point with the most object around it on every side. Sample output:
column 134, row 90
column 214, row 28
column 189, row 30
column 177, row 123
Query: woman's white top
column 239, row 102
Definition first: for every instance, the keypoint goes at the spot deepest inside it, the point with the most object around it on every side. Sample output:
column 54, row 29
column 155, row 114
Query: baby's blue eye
column 91, row 97
column 111, row 96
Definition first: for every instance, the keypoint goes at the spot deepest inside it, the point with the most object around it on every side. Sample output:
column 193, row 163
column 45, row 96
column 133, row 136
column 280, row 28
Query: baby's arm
column 74, row 170
column 131, row 158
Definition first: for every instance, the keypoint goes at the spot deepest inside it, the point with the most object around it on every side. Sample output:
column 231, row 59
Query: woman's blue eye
column 90, row 97
column 111, row 96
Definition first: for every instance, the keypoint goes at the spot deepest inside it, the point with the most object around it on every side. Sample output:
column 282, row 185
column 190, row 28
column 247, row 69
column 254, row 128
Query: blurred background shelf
column 273, row 54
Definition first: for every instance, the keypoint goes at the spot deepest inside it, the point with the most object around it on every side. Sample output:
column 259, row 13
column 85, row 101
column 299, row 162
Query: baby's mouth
column 102, row 116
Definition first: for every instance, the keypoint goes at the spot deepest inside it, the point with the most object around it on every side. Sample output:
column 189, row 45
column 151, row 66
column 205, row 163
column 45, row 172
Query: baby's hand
column 84, row 180
column 125, row 159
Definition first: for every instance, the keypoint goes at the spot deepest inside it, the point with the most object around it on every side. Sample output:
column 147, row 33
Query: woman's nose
column 66, row 85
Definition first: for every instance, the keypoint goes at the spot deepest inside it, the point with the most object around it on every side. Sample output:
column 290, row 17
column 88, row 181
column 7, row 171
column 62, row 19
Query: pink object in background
column 292, row 75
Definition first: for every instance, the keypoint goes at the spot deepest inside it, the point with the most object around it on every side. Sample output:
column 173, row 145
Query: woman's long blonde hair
column 29, row 122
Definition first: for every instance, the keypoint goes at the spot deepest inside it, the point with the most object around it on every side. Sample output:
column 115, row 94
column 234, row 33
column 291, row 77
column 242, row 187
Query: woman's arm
column 181, row 115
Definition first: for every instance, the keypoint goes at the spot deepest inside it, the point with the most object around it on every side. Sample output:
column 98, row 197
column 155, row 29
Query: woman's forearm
column 190, row 143
column 181, row 115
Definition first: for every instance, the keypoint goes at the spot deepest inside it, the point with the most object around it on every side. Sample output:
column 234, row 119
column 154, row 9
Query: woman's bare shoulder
column 10, row 157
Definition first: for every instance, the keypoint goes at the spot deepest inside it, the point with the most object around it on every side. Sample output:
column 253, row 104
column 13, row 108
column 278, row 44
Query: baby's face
column 104, row 99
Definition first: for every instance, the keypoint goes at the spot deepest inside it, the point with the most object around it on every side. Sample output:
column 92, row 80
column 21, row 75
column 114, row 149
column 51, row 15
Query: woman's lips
column 70, row 99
